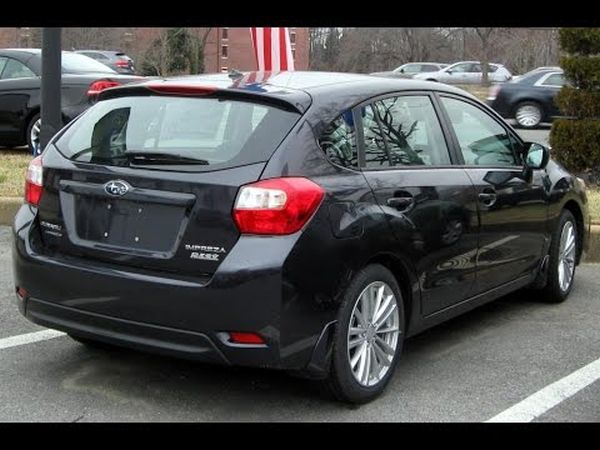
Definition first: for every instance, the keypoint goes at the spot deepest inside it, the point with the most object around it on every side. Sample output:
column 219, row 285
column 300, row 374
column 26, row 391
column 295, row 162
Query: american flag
column 272, row 48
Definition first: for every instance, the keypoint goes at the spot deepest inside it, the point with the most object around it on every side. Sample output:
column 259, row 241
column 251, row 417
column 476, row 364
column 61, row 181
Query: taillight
column 276, row 206
column 493, row 92
column 33, row 182
column 98, row 86
column 122, row 63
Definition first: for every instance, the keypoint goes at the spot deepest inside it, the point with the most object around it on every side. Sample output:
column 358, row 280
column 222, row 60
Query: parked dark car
column 530, row 99
column 20, row 94
column 116, row 60
column 310, row 222
column 409, row 70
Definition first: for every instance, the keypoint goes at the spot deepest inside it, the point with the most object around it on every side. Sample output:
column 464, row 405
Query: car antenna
column 234, row 74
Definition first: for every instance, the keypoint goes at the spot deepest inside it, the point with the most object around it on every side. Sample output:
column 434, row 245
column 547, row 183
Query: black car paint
column 288, row 288
column 510, row 95
column 20, row 98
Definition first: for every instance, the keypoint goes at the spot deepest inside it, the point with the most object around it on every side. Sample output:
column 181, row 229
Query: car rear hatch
column 124, row 62
column 147, row 179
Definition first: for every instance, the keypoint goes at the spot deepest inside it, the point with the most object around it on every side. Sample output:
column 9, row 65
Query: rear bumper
column 179, row 317
column 125, row 333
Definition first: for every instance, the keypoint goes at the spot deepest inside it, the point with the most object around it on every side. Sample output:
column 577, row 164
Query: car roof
column 31, row 51
column 100, row 51
column 299, row 89
column 424, row 62
column 307, row 81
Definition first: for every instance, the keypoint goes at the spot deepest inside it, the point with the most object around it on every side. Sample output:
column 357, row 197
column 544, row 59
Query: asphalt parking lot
column 469, row 369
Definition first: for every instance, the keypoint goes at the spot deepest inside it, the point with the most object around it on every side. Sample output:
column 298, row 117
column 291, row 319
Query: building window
column 224, row 69
column 224, row 51
column 225, row 33
column 294, row 53
column 293, row 37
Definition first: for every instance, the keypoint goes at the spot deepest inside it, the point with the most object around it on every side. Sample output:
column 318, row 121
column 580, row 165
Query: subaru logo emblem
column 117, row 188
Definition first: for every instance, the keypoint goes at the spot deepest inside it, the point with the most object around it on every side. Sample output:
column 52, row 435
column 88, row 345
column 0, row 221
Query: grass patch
column 13, row 165
column 479, row 91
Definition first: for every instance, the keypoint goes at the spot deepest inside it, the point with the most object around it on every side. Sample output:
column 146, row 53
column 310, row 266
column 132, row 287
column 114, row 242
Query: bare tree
column 485, row 35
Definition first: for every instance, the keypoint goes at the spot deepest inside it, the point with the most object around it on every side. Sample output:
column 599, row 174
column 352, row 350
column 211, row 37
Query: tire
column 31, row 144
column 342, row 382
column 556, row 291
column 528, row 115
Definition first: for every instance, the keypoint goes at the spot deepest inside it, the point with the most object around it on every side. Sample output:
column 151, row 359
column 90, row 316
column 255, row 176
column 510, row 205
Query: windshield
column 166, row 130
column 77, row 63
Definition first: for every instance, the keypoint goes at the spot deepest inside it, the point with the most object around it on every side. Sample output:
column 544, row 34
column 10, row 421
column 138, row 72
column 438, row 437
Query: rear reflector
column 238, row 337
column 98, row 86
column 21, row 293
column 34, row 182
column 277, row 206
column 181, row 89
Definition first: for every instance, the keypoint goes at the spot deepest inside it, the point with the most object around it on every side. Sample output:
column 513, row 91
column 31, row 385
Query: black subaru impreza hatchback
column 308, row 222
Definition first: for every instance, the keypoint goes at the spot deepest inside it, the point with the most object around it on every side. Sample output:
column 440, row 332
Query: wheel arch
column 32, row 112
column 406, row 281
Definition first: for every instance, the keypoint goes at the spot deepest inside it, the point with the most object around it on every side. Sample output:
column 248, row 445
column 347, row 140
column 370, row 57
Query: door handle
column 401, row 203
column 488, row 197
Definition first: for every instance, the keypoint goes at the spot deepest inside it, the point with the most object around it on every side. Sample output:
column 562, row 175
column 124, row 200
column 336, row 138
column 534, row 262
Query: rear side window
column 208, row 133
column 404, row 131
column 79, row 63
column 338, row 141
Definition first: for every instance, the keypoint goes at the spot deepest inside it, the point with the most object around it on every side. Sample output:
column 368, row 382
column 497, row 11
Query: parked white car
column 466, row 72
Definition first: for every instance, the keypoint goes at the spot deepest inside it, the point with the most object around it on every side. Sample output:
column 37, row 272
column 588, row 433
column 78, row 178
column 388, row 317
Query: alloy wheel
column 528, row 115
column 34, row 135
column 373, row 333
column 566, row 256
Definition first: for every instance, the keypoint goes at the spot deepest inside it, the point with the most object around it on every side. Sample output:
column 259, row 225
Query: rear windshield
column 192, row 133
column 78, row 63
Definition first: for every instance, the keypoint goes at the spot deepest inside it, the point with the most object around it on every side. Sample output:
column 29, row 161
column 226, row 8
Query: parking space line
column 547, row 398
column 29, row 338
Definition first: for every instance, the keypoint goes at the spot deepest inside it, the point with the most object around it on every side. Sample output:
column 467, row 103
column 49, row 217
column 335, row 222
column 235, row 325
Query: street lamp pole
column 51, row 85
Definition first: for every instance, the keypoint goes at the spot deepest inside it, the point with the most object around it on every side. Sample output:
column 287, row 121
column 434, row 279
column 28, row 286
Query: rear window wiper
column 161, row 158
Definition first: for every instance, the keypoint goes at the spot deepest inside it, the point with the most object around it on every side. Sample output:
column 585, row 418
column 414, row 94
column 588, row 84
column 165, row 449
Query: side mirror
column 449, row 71
column 536, row 156
column 402, row 70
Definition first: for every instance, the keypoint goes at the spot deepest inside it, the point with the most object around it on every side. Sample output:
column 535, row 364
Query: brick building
column 231, row 48
column 226, row 48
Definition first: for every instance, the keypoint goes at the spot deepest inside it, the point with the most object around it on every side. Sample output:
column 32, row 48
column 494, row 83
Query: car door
column 475, row 74
column 457, row 74
column 17, row 84
column 430, row 204
column 548, row 86
column 512, row 208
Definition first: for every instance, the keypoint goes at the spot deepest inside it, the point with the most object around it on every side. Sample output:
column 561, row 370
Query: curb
column 10, row 205
column 593, row 253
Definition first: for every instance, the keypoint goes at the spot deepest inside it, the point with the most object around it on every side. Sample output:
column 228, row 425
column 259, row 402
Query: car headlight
column 581, row 183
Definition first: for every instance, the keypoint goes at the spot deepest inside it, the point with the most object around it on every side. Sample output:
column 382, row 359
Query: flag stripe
column 283, row 49
column 272, row 49
column 268, row 64
column 254, row 44
column 275, row 54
